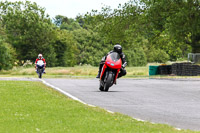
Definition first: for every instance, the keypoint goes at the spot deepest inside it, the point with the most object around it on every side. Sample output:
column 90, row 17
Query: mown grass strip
column 70, row 72
column 86, row 71
column 29, row 107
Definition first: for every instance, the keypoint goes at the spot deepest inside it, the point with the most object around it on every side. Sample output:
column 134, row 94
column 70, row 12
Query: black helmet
column 118, row 48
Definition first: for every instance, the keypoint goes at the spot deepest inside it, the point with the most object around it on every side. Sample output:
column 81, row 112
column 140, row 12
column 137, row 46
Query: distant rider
column 40, row 57
column 118, row 49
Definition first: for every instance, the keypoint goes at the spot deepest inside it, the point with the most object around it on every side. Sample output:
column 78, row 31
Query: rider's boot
column 99, row 72
column 98, row 75
column 44, row 71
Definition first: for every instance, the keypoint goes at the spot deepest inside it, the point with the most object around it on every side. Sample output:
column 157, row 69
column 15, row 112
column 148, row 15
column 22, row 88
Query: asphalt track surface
column 174, row 102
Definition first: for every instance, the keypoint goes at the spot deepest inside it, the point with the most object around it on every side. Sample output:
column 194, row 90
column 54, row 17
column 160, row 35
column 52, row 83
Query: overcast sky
column 71, row 8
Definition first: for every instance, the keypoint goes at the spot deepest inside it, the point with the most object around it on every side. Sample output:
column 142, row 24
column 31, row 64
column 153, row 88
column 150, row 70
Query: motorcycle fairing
column 114, row 62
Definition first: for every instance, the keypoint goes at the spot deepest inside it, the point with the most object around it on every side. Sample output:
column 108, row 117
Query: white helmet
column 40, row 56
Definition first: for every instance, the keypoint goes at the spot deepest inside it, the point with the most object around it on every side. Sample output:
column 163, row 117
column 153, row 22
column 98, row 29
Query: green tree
column 66, row 23
column 7, row 53
column 65, row 48
column 29, row 30
column 120, row 26
column 91, row 46
column 112, row 24
column 178, row 19
column 7, row 56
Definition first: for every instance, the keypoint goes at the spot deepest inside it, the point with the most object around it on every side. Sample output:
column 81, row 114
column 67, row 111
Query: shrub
column 7, row 56
column 157, row 55
column 136, row 57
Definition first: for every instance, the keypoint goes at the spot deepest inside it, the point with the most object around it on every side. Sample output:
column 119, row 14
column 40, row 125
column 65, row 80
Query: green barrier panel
column 153, row 70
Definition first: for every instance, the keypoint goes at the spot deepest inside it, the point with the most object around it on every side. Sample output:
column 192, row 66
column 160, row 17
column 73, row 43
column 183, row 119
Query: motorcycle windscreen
column 113, row 60
column 115, row 56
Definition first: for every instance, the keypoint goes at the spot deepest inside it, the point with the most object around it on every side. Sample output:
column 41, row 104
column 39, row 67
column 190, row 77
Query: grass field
column 30, row 107
column 65, row 72
column 85, row 71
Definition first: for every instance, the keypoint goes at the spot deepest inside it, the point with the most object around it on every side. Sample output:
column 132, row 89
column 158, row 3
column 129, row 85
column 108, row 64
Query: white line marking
column 69, row 95
column 139, row 119
column 110, row 111
column 75, row 98
column 91, row 105
column 65, row 93
column 178, row 129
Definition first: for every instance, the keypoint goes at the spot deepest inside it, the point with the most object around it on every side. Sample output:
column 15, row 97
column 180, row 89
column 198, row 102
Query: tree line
column 148, row 30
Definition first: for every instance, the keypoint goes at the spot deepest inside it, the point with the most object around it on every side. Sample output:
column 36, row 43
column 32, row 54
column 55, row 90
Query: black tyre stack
column 175, row 69
column 165, row 69
column 185, row 69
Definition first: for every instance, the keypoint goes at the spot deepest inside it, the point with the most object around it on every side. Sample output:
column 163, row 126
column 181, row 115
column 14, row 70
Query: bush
column 7, row 56
column 136, row 57
column 157, row 55
column 50, row 56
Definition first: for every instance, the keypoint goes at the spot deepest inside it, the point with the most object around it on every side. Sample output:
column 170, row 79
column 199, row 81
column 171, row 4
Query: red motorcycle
column 110, row 71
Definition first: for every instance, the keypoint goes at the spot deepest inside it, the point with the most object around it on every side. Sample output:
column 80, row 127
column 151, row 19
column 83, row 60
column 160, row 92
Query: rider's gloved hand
column 124, row 65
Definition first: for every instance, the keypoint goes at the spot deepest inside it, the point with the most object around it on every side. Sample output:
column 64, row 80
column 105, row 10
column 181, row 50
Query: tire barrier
column 185, row 69
column 178, row 69
column 165, row 70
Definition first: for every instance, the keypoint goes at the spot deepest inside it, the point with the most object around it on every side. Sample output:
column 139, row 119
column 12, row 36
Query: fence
column 194, row 58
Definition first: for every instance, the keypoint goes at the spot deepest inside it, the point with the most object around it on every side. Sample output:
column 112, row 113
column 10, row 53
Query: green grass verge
column 71, row 72
column 30, row 107
column 85, row 71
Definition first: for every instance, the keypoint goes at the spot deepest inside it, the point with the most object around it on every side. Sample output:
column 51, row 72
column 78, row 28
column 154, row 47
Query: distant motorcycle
column 40, row 68
column 110, row 71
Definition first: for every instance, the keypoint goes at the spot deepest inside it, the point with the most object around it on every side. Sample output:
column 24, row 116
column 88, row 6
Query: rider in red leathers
column 40, row 57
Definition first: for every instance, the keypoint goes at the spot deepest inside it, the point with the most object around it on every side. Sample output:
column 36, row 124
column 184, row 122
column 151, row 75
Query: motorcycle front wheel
column 101, row 88
column 108, row 82
column 40, row 73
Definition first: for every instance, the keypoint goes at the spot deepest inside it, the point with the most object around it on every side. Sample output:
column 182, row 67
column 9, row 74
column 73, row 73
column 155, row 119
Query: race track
column 174, row 102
